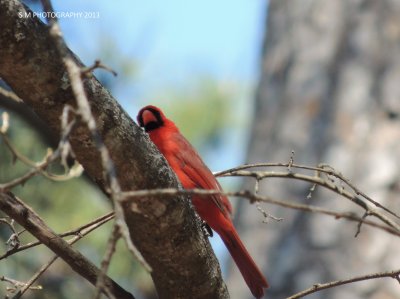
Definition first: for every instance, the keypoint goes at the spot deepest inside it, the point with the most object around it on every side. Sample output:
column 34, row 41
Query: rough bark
column 165, row 230
column 32, row 120
column 328, row 90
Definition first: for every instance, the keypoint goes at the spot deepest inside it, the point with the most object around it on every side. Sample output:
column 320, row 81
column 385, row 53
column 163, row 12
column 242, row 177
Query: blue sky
column 173, row 39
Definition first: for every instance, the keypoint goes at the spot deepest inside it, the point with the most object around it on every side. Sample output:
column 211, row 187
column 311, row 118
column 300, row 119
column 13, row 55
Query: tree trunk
column 329, row 90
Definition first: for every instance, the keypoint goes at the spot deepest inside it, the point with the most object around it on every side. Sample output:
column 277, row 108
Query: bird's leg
column 206, row 229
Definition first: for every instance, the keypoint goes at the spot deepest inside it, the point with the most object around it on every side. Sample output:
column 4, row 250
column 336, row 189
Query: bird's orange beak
column 148, row 117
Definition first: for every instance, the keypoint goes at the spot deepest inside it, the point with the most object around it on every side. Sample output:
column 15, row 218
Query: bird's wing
column 200, row 175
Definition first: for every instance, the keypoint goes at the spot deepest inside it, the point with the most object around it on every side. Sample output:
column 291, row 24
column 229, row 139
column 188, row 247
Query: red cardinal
column 215, row 210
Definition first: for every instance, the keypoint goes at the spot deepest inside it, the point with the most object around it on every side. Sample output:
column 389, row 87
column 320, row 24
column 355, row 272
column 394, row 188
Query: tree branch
column 357, row 197
column 323, row 286
column 28, row 219
column 83, row 230
column 80, row 231
column 322, row 168
column 127, row 196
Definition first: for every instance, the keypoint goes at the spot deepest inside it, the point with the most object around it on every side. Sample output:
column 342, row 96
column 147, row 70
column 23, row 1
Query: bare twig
column 253, row 197
column 267, row 215
column 13, row 241
column 38, row 168
column 17, row 285
column 324, row 168
column 5, row 122
column 34, row 278
column 261, row 209
column 323, row 286
column 356, row 197
column 112, row 242
column 291, row 161
column 27, row 218
column 80, row 231
column 86, row 71
column 359, row 224
column 311, row 191
column 9, row 94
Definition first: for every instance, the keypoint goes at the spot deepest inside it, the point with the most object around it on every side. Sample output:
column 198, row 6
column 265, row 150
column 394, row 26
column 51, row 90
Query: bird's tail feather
column 255, row 280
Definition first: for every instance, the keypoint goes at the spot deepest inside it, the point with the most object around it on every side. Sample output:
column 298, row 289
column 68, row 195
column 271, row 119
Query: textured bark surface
column 164, row 229
column 329, row 90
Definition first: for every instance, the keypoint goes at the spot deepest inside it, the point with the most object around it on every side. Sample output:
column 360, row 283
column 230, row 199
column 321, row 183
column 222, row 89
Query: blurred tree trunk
column 329, row 90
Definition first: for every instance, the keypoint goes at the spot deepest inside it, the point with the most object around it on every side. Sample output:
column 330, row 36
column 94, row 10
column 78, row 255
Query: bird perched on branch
column 216, row 209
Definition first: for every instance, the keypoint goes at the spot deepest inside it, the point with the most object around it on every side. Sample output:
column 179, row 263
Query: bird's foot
column 206, row 229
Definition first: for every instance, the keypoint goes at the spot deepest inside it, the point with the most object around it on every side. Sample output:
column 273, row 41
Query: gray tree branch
column 28, row 219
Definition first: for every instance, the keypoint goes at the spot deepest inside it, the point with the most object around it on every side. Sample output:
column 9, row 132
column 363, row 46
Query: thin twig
column 267, row 215
column 11, row 95
column 323, row 286
column 324, row 183
column 13, row 240
column 26, row 217
column 86, row 71
column 324, row 168
column 291, row 161
column 126, row 196
column 39, row 168
column 77, row 231
column 360, row 224
column 5, row 122
column 112, row 242
column 17, row 285
column 83, row 231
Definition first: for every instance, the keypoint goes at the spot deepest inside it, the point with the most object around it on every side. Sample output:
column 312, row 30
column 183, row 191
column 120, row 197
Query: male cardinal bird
column 215, row 210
